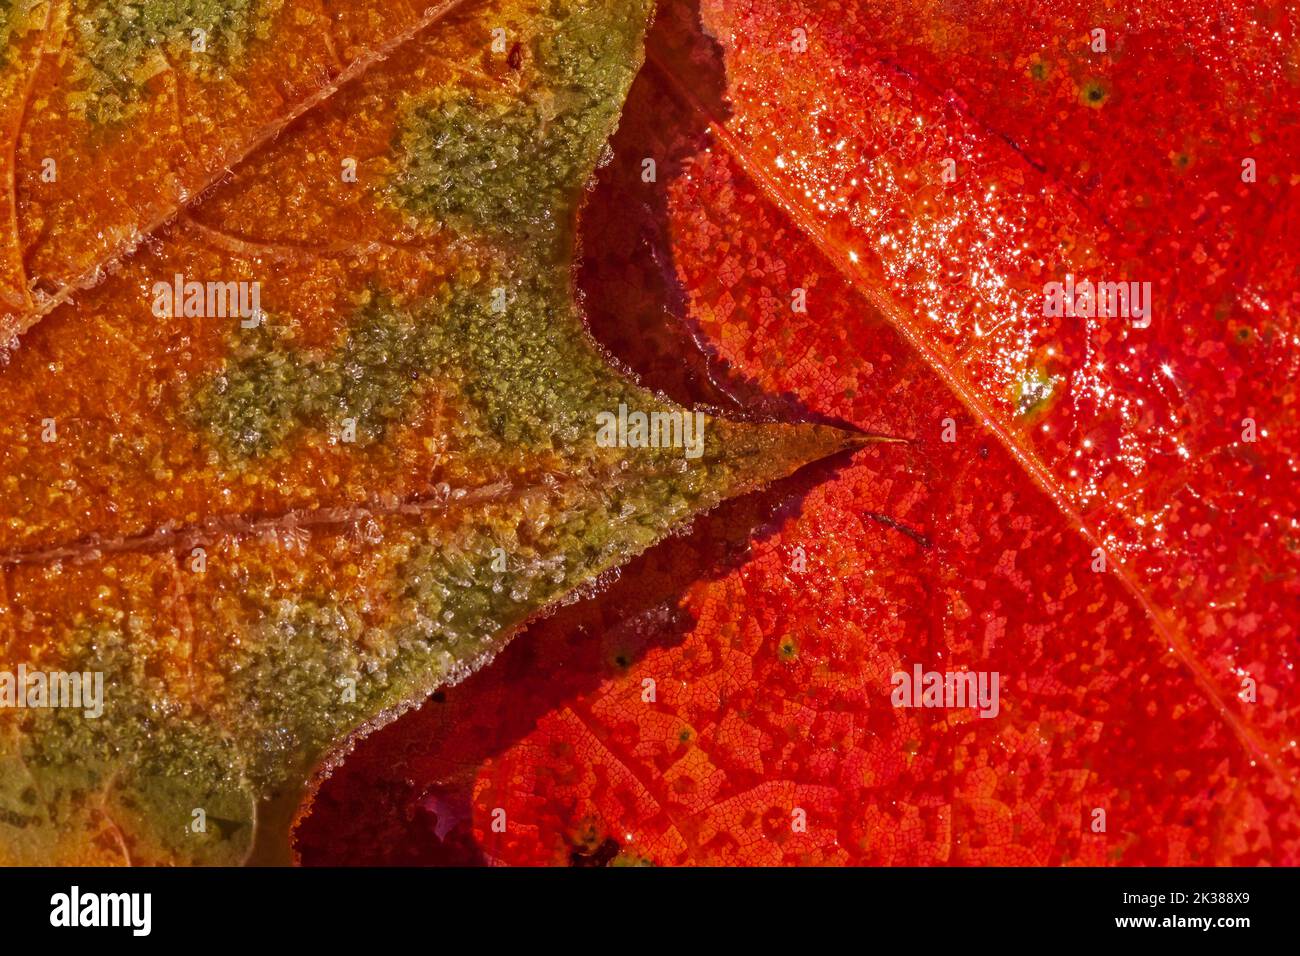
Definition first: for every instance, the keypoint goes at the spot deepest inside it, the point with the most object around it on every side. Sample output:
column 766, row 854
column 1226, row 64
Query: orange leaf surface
column 116, row 116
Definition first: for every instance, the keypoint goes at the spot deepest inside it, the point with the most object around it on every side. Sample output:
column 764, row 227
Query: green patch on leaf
column 488, row 163
column 514, row 366
column 6, row 15
column 124, row 44
column 269, row 388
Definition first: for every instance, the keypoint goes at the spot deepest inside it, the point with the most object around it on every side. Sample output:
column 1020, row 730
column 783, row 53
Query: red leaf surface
column 1161, row 690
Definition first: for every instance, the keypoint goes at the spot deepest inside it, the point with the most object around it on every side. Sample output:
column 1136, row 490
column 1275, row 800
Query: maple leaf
column 1141, row 428
column 1146, row 715
column 326, row 442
